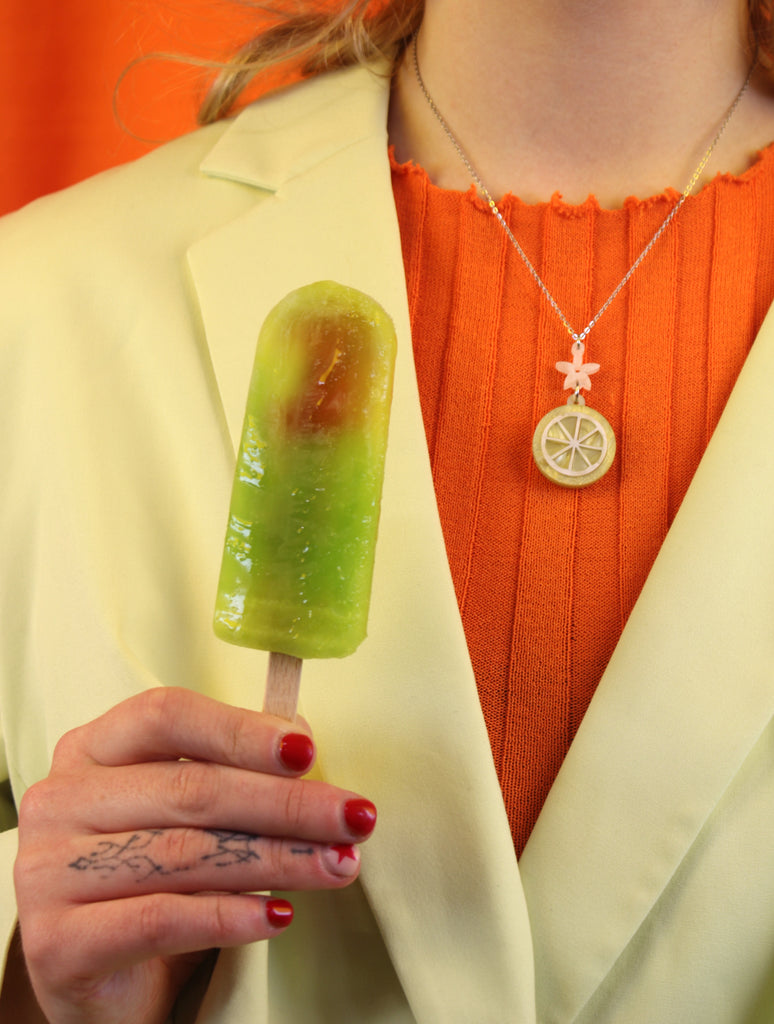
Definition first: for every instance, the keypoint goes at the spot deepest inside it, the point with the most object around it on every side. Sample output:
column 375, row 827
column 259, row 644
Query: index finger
column 170, row 723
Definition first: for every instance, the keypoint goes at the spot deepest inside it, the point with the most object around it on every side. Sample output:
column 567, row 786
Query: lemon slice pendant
column 573, row 445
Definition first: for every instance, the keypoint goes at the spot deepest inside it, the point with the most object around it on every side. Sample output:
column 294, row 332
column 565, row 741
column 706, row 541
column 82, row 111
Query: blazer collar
column 294, row 130
column 399, row 720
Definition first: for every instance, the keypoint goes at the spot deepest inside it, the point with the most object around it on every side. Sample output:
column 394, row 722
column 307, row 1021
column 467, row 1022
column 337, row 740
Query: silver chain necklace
column 574, row 445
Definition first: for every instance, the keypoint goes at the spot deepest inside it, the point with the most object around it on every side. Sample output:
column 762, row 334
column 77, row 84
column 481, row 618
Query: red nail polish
column 296, row 752
column 343, row 859
column 279, row 913
column 360, row 816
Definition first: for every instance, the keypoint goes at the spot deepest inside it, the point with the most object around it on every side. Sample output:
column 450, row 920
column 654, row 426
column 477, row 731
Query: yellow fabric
column 646, row 891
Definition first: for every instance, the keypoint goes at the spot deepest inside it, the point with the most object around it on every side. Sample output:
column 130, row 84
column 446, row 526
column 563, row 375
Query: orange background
column 60, row 62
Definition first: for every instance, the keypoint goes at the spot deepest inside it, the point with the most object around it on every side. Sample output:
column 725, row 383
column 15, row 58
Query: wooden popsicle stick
column 283, row 680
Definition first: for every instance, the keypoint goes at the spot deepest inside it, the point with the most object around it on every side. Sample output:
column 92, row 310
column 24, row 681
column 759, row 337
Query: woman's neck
column 580, row 96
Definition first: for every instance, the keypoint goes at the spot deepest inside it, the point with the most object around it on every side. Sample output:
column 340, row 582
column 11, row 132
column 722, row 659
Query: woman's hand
column 141, row 850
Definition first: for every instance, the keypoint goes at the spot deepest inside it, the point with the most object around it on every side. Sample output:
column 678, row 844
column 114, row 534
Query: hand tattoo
column 134, row 855
column 232, row 847
column 108, row 857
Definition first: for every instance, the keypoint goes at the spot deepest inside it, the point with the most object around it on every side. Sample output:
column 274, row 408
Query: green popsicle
column 299, row 550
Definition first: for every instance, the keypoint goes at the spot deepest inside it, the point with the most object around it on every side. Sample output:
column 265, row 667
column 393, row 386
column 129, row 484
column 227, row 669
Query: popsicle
column 298, row 556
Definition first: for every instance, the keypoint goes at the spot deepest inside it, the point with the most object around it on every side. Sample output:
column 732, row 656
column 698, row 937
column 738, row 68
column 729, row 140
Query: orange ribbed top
column 546, row 577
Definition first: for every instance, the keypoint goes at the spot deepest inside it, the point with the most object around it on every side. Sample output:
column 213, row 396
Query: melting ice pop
column 298, row 557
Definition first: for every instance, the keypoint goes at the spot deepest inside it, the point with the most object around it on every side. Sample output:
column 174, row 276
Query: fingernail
column 279, row 913
column 342, row 860
column 360, row 816
column 296, row 751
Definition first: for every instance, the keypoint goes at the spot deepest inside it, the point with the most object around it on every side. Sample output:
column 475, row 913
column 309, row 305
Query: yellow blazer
column 130, row 309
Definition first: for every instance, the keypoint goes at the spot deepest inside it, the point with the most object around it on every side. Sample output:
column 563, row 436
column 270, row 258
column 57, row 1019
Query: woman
column 633, row 883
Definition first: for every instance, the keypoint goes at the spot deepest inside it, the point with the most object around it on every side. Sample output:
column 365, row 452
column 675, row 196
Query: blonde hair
column 311, row 39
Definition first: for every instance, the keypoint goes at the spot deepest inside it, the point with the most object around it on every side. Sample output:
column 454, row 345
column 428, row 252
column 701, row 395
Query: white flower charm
column 578, row 372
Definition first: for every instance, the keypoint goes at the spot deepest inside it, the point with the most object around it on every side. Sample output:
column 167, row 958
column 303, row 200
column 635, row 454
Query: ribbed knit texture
column 546, row 577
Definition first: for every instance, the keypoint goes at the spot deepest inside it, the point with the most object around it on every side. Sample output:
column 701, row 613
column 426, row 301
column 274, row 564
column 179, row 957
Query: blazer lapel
column 399, row 720
column 686, row 695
